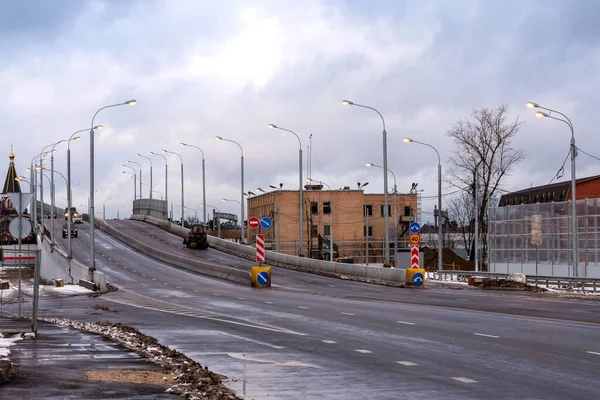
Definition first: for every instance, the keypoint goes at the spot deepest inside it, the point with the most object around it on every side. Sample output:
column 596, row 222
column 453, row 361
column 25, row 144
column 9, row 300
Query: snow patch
column 520, row 278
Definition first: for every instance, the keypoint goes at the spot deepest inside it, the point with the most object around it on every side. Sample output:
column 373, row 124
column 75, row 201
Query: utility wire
column 560, row 169
column 587, row 154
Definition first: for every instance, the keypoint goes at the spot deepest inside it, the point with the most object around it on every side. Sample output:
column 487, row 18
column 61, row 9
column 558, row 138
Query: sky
column 200, row 69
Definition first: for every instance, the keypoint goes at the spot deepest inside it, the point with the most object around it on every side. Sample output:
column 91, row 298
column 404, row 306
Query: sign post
column 260, row 248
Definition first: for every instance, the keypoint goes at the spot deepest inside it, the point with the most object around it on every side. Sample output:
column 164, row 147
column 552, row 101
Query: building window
column 326, row 230
column 326, row 207
column 365, row 231
column 314, row 230
column 368, row 210
column 407, row 211
column 314, row 207
column 389, row 210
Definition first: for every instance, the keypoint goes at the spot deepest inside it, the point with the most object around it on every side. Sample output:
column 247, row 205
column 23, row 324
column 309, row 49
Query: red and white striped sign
column 260, row 248
column 414, row 256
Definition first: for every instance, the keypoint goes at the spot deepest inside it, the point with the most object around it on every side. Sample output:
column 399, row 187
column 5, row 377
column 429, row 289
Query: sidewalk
column 59, row 362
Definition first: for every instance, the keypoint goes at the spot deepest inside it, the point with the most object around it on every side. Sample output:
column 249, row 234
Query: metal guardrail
column 569, row 283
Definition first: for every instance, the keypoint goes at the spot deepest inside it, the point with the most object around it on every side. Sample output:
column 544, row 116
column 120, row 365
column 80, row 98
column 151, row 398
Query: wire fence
column 17, row 287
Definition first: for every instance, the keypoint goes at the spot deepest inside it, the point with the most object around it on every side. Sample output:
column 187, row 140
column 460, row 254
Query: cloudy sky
column 203, row 68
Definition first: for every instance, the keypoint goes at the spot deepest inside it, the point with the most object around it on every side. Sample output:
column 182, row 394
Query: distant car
column 65, row 230
column 75, row 217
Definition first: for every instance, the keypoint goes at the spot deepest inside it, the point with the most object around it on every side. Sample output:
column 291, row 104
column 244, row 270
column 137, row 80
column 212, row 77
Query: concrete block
column 87, row 284
column 59, row 283
column 4, row 285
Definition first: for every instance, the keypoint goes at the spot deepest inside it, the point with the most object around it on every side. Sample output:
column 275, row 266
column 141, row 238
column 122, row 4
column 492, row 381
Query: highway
column 315, row 337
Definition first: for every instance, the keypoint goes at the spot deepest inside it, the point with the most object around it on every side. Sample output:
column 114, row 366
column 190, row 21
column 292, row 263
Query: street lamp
column 154, row 191
column 300, row 253
column 52, row 191
column 91, row 210
column 203, row 175
column 369, row 164
column 134, row 174
column 140, row 167
column 131, row 176
column 147, row 158
column 386, row 245
column 440, row 242
column 104, row 208
column 242, row 180
column 204, row 205
column 119, row 209
column 195, row 213
column 166, row 175
column 574, row 228
column 330, row 216
column 182, row 206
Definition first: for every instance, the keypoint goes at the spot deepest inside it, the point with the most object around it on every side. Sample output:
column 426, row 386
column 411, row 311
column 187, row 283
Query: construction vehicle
column 324, row 251
column 197, row 238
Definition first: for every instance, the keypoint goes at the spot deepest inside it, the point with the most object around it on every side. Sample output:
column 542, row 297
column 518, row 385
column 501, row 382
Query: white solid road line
column 329, row 341
column 304, row 308
column 593, row 352
column 347, row 313
column 269, row 302
column 486, row 335
column 463, row 379
column 405, row 323
column 363, row 351
column 215, row 294
column 407, row 363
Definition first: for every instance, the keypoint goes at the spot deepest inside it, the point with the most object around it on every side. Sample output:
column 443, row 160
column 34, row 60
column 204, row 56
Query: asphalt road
column 315, row 337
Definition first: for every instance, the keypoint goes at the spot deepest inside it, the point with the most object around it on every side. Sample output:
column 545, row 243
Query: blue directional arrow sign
column 263, row 278
column 265, row 222
column 414, row 227
column 417, row 279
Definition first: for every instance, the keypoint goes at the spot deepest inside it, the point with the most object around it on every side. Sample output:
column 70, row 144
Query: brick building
column 587, row 188
column 351, row 210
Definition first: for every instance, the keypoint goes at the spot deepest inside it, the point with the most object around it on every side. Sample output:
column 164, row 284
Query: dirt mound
column 504, row 284
column 450, row 260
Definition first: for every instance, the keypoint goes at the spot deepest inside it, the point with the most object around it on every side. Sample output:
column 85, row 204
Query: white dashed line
column 110, row 259
column 154, row 279
column 582, row 311
column 363, row 351
column 197, row 291
column 302, row 307
column 347, row 313
column 463, row 379
column 269, row 302
column 144, row 275
column 405, row 323
column 240, row 298
column 329, row 341
column 593, row 352
column 216, row 294
column 134, row 270
column 486, row 335
column 124, row 267
column 407, row 363
column 165, row 283
column 178, row 287
column 116, row 263
column 330, row 285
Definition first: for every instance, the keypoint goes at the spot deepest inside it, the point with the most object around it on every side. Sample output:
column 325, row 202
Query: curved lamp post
column 440, row 233
column 150, row 161
column 131, row 176
column 203, row 176
column 166, row 174
column 330, row 216
column 370, row 164
column 204, row 205
column 104, row 208
column 272, row 126
column 119, row 209
column 182, row 206
column 134, row 174
column 140, row 167
column 242, row 180
column 386, row 245
column 574, row 228
column 52, row 191
column 91, row 210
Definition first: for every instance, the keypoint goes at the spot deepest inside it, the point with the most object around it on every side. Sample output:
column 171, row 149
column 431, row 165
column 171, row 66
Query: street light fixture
column 166, row 175
column 150, row 161
column 440, row 242
column 131, row 176
column 204, row 206
column 386, row 245
column 104, row 208
column 52, row 190
column 140, row 167
column 134, row 174
column 369, row 164
column 182, row 206
column 118, row 211
column 242, row 241
column 574, row 228
column 91, row 210
column 300, row 188
column 330, row 216
column 203, row 175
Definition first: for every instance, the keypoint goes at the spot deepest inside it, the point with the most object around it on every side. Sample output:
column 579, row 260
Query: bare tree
column 461, row 210
column 484, row 144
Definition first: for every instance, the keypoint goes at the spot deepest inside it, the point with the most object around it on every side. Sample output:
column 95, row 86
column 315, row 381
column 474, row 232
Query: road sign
column 265, row 222
column 417, row 279
column 415, row 238
column 20, row 201
column 25, row 230
column 230, row 217
column 262, row 278
column 260, row 248
column 414, row 256
column 414, row 227
column 253, row 222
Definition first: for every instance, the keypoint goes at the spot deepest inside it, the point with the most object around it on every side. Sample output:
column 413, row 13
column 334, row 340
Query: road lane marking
column 463, row 379
column 134, row 270
column 405, row 323
column 593, row 352
column 240, row 298
column 165, row 283
column 116, row 263
column 330, row 285
column 242, row 356
column 486, row 335
column 154, row 279
column 407, row 363
column 347, row 313
column 197, row 291
column 215, row 294
column 582, row 311
column 124, row 267
column 110, row 259
column 302, row 307
column 144, row 275
column 269, row 302
column 363, row 351
column 329, row 341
